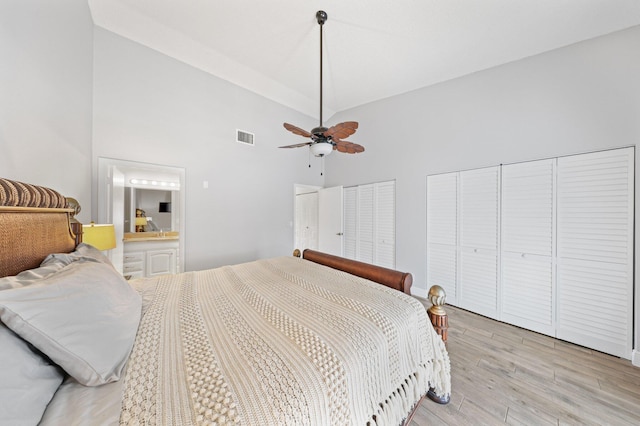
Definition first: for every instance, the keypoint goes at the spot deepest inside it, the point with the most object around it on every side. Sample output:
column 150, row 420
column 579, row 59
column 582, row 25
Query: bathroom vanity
column 147, row 254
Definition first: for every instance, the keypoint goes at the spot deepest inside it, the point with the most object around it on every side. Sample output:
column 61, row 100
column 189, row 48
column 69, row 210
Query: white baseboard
column 635, row 358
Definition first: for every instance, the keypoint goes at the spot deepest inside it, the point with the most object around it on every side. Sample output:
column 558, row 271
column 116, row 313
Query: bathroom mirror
column 152, row 204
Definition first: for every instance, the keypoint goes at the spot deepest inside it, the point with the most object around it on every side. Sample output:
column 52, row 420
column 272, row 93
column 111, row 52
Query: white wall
column 154, row 109
column 581, row 98
column 45, row 95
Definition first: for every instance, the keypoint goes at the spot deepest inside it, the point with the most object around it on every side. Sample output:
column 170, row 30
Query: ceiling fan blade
column 298, row 145
column 342, row 130
column 297, row 130
column 348, row 147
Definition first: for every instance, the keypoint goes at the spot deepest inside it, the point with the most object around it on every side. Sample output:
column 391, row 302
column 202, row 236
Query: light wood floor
column 504, row 374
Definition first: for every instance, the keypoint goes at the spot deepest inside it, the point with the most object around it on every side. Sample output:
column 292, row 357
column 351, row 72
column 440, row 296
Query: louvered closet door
column 528, row 245
column 365, row 243
column 370, row 223
column 385, row 224
column 442, row 233
column 478, row 262
column 595, row 250
column 350, row 206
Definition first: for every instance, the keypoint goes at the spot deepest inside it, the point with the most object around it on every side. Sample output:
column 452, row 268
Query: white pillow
column 53, row 263
column 84, row 317
column 28, row 381
column 83, row 252
column 29, row 277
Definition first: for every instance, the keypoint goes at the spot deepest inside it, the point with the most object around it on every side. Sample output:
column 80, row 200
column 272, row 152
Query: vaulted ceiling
column 373, row 49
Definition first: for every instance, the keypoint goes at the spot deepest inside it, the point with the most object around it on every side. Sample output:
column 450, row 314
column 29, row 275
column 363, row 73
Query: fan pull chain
column 322, row 165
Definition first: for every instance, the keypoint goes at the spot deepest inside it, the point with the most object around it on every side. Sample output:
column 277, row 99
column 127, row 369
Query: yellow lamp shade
column 102, row 237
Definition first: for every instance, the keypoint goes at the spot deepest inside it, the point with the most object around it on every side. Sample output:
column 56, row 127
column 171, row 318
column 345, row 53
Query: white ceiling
column 373, row 49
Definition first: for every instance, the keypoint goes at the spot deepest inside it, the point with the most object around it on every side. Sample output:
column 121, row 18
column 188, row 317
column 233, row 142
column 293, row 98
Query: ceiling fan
column 324, row 140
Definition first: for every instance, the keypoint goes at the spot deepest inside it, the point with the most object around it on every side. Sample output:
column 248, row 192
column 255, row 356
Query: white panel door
column 350, row 206
column 478, row 261
column 528, row 245
column 330, row 220
column 306, row 224
column 595, row 250
column 385, row 224
column 442, row 233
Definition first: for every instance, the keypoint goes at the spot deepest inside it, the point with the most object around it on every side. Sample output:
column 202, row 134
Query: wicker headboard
column 34, row 222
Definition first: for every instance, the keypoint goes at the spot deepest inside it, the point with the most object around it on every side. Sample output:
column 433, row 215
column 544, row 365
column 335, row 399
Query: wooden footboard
column 388, row 277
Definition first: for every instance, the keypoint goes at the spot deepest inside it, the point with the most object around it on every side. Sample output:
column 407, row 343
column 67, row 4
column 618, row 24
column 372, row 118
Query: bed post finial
column 297, row 253
column 440, row 321
column 76, row 226
column 437, row 314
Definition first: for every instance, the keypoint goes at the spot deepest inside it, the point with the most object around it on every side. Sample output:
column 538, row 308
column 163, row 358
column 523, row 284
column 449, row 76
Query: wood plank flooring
column 502, row 374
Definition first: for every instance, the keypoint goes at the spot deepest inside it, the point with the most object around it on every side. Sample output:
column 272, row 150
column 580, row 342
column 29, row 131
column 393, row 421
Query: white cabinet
column 161, row 262
column 546, row 245
column 149, row 257
column 133, row 263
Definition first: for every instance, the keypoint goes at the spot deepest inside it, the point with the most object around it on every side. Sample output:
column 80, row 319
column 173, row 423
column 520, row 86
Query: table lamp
column 102, row 237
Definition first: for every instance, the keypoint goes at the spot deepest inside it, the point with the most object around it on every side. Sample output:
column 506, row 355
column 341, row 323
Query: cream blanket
column 281, row 341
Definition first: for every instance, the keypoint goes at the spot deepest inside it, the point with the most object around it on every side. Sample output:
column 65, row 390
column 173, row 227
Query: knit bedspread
column 281, row 341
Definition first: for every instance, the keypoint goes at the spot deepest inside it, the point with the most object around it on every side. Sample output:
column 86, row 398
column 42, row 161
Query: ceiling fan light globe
column 321, row 149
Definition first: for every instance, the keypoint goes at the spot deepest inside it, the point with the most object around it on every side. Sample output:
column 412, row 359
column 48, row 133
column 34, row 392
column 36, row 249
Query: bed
column 287, row 340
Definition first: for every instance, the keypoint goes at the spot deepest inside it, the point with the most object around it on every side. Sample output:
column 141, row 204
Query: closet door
column 478, row 263
column 350, row 206
column 528, row 245
column 595, row 250
column 385, row 224
column 331, row 220
column 442, row 233
column 370, row 223
column 366, row 243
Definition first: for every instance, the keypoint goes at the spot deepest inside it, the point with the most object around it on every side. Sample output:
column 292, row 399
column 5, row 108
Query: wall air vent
column 245, row 137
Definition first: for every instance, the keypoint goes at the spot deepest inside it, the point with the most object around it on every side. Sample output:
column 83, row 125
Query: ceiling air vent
column 245, row 137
